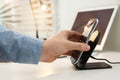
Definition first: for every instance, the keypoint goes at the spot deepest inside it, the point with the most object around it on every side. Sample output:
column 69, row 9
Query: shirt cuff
column 30, row 51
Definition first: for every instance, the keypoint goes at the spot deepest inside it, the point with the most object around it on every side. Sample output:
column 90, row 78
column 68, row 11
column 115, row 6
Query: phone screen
column 88, row 30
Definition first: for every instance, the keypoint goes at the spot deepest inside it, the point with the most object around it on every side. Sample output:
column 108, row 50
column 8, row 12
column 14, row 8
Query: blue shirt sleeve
column 19, row 48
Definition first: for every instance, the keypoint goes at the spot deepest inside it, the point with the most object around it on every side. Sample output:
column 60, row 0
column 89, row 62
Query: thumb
column 78, row 46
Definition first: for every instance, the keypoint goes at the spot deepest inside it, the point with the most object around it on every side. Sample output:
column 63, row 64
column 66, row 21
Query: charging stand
column 83, row 65
column 95, row 65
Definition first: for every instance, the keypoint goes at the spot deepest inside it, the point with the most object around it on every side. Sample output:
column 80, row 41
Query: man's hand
column 62, row 44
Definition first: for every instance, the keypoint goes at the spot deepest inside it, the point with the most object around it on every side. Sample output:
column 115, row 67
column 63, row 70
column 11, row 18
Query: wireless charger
column 82, row 64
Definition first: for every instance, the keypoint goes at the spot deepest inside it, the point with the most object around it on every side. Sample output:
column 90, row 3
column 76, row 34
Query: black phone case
column 85, row 56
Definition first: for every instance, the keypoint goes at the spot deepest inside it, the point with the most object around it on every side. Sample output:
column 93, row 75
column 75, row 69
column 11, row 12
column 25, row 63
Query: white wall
column 67, row 10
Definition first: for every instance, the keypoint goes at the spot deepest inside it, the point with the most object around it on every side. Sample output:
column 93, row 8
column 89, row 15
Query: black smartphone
column 89, row 28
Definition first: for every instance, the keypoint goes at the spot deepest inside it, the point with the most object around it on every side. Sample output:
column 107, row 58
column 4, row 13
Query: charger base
column 96, row 65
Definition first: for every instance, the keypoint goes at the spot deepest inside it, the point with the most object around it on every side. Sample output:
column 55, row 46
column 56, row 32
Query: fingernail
column 87, row 47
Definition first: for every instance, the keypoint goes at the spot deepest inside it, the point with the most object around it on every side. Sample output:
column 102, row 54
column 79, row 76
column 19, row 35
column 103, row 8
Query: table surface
column 61, row 69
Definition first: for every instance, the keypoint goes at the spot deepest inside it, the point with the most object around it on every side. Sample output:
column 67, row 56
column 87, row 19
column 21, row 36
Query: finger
column 73, row 36
column 73, row 33
column 78, row 46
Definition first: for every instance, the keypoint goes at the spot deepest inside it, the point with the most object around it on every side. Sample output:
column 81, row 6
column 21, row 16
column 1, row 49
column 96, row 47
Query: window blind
column 29, row 18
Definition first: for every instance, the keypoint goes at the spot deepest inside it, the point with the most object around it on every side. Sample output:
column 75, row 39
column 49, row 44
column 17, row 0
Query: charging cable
column 104, row 60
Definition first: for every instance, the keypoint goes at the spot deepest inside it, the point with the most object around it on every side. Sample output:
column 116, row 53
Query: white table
column 61, row 69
